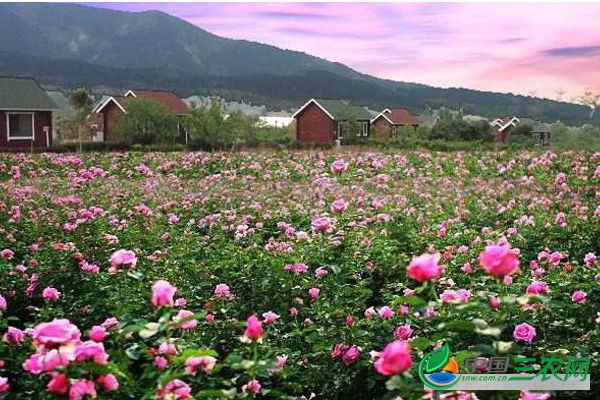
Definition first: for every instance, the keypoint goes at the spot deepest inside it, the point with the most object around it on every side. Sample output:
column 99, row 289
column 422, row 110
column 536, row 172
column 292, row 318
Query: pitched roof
column 23, row 94
column 536, row 126
column 59, row 99
column 337, row 109
column 118, row 100
column 341, row 109
column 398, row 116
column 502, row 124
column 166, row 98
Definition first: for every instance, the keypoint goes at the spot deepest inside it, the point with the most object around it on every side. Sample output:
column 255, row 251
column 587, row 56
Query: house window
column 364, row 129
column 394, row 131
column 20, row 126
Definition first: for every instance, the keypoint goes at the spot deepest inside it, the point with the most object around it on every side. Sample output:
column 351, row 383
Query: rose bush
column 278, row 275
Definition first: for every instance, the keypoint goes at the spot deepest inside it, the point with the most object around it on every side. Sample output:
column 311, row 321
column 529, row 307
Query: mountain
column 66, row 45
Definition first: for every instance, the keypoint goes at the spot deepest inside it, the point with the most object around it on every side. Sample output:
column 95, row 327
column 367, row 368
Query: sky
column 540, row 49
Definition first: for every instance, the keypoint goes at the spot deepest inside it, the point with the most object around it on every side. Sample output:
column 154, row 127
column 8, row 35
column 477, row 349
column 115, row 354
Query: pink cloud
column 508, row 47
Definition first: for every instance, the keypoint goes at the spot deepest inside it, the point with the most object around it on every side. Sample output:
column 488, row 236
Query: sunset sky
column 537, row 48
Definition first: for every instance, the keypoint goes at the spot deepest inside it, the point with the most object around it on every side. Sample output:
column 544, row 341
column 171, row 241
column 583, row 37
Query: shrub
column 147, row 122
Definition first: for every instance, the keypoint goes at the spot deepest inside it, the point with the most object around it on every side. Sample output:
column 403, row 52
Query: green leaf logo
column 437, row 358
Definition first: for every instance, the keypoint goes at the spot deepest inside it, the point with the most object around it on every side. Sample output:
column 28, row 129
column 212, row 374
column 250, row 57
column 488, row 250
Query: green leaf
column 394, row 383
column 438, row 358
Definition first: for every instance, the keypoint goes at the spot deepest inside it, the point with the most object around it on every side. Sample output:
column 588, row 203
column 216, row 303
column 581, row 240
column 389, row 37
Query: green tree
column 559, row 130
column 82, row 104
column 455, row 129
column 147, row 122
column 210, row 128
column 349, row 125
column 205, row 124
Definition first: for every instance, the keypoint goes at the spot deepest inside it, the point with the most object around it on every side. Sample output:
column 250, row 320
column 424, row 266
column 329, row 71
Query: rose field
column 302, row 275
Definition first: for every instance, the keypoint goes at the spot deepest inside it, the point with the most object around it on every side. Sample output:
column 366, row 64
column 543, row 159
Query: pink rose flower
column 386, row 312
column 499, row 260
column 50, row 293
column 537, row 287
column 369, row 312
column 527, row 395
column 13, row 336
column 524, row 333
column 322, row 224
column 253, row 386
column 7, row 253
column 122, row 258
column 270, row 317
column 59, row 384
column 4, row 385
column 313, row 293
column 338, row 206
column 184, row 321
column 589, row 259
column 205, row 363
column 425, row 268
column 81, row 388
column 167, row 348
column 394, row 359
column 91, row 350
column 97, row 333
column 162, row 293
column 349, row 321
column 175, row 389
column 494, row 302
column 55, row 332
column 254, row 329
column 579, row 297
column 339, row 166
column 351, row 355
column 161, row 362
column 403, row 332
column 3, row 304
column 222, row 290
column 108, row 382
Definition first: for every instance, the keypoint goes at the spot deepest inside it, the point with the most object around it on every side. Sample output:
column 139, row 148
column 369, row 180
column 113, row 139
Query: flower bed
column 290, row 275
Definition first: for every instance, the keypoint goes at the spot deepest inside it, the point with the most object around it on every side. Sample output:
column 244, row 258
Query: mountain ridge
column 67, row 45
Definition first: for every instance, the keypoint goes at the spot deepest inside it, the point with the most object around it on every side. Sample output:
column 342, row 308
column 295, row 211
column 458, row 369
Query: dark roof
column 168, row 99
column 400, row 116
column 23, row 94
column 340, row 109
column 59, row 99
column 536, row 126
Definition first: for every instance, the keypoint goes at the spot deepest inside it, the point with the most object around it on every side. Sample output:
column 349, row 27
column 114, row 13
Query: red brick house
column 25, row 114
column 320, row 121
column 502, row 128
column 105, row 116
column 387, row 123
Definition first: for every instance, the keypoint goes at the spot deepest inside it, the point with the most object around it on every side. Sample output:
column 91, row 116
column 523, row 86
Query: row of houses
column 26, row 118
column 321, row 121
column 502, row 128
